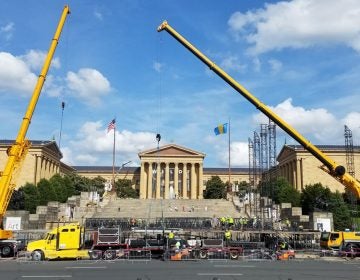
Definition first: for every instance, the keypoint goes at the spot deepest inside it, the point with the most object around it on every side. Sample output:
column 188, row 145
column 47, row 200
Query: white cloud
column 352, row 121
column 15, row 75
column 299, row 24
column 36, row 58
column 157, row 66
column 239, row 154
column 7, row 31
column 89, row 85
column 275, row 65
column 93, row 145
column 232, row 63
column 317, row 122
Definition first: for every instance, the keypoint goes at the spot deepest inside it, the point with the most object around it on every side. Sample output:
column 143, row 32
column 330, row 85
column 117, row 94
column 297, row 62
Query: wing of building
column 42, row 161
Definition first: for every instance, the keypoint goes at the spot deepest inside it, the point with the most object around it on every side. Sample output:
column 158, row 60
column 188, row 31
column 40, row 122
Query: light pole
column 61, row 122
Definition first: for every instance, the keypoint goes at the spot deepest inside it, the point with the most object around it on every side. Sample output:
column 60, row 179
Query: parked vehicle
column 63, row 242
column 340, row 240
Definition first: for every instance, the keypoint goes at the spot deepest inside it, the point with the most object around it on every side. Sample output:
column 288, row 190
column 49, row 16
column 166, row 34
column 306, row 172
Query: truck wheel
column 109, row 255
column 234, row 255
column 95, row 255
column 203, row 254
column 37, row 255
column 6, row 251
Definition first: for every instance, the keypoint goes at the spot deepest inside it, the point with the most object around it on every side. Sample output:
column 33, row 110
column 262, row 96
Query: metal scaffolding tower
column 272, row 144
column 257, row 168
column 349, row 149
column 264, row 163
column 251, row 165
column 251, row 174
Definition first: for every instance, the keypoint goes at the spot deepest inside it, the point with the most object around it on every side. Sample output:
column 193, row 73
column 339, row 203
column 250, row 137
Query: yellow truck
column 63, row 242
column 341, row 240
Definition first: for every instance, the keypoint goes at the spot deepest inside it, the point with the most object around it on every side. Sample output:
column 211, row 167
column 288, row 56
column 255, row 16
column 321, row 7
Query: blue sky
column 299, row 57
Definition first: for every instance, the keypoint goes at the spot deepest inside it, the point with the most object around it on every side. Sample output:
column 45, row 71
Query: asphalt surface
column 160, row 270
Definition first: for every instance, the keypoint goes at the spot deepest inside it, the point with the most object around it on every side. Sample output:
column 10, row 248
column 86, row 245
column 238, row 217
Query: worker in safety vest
column 223, row 221
column 230, row 221
column 227, row 236
column 171, row 235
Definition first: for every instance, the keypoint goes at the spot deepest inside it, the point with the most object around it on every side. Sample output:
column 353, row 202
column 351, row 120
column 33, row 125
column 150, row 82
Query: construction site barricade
column 259, row 254
column 138, row 254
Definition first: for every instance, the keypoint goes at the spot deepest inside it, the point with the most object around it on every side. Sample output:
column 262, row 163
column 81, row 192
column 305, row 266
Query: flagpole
column 229, row 157
column 113, row 174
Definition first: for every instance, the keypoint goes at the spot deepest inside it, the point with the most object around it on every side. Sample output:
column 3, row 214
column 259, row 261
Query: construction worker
column 223, row 221
column 171, row 235
column 227, row 236
column 287, row 223
column 245, row 222
column 230, row 221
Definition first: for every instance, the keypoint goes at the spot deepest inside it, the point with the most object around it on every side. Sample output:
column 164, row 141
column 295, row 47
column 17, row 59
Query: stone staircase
column 152, row 208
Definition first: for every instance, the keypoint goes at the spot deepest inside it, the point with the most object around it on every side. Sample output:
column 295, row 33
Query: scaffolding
column 264, row 159
column 251, row 173
column 349, row 149
column 272, row 144
column 257, row 170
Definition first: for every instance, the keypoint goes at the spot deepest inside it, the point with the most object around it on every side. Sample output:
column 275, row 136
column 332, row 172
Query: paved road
column 202, row 270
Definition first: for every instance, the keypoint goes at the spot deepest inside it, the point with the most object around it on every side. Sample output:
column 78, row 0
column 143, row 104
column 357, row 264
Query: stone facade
column 175, row 171
column 41, row 162
column 301, row 168
column 181, row 173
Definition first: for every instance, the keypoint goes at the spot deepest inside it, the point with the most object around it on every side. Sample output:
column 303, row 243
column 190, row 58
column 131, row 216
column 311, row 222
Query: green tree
column 281, row 191
column 341, row 212
column 288, row 194
column 315, row 197
column 319, row 198
column 17, row 201
column 243, row 188
column 80, row 184
column 46, row 192
column 215, row 188
column 31, row 197
column 124, row 189
column 58, row 185
column 98, row 184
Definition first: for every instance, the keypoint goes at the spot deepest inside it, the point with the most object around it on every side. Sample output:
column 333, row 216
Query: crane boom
column 334, row 169
column 16, row 153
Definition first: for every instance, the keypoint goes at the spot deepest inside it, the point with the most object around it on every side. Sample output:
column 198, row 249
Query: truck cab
column 340, row 239
column 61, row 242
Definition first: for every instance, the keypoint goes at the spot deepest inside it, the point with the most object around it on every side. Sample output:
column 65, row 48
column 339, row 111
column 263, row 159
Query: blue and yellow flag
column 221, row 129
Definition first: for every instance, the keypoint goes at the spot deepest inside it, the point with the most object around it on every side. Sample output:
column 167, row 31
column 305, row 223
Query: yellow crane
column 17, row 152
column 330, row 166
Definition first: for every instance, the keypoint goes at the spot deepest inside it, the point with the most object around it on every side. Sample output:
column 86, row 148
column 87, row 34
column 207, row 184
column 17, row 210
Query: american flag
column 111, row 125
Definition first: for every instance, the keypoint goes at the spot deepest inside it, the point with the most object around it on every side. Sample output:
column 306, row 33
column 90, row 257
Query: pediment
column 285, row 153
column 171, row 150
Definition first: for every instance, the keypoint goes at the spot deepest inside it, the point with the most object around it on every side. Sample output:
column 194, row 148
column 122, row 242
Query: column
column 149, row 181
column 201, row 181
column 176, row 180
column 184, row 194
column 193, row 186
column 158, row 179
column 142, row 181
column 36, row 169
column 167, row 171
column 293, row 167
